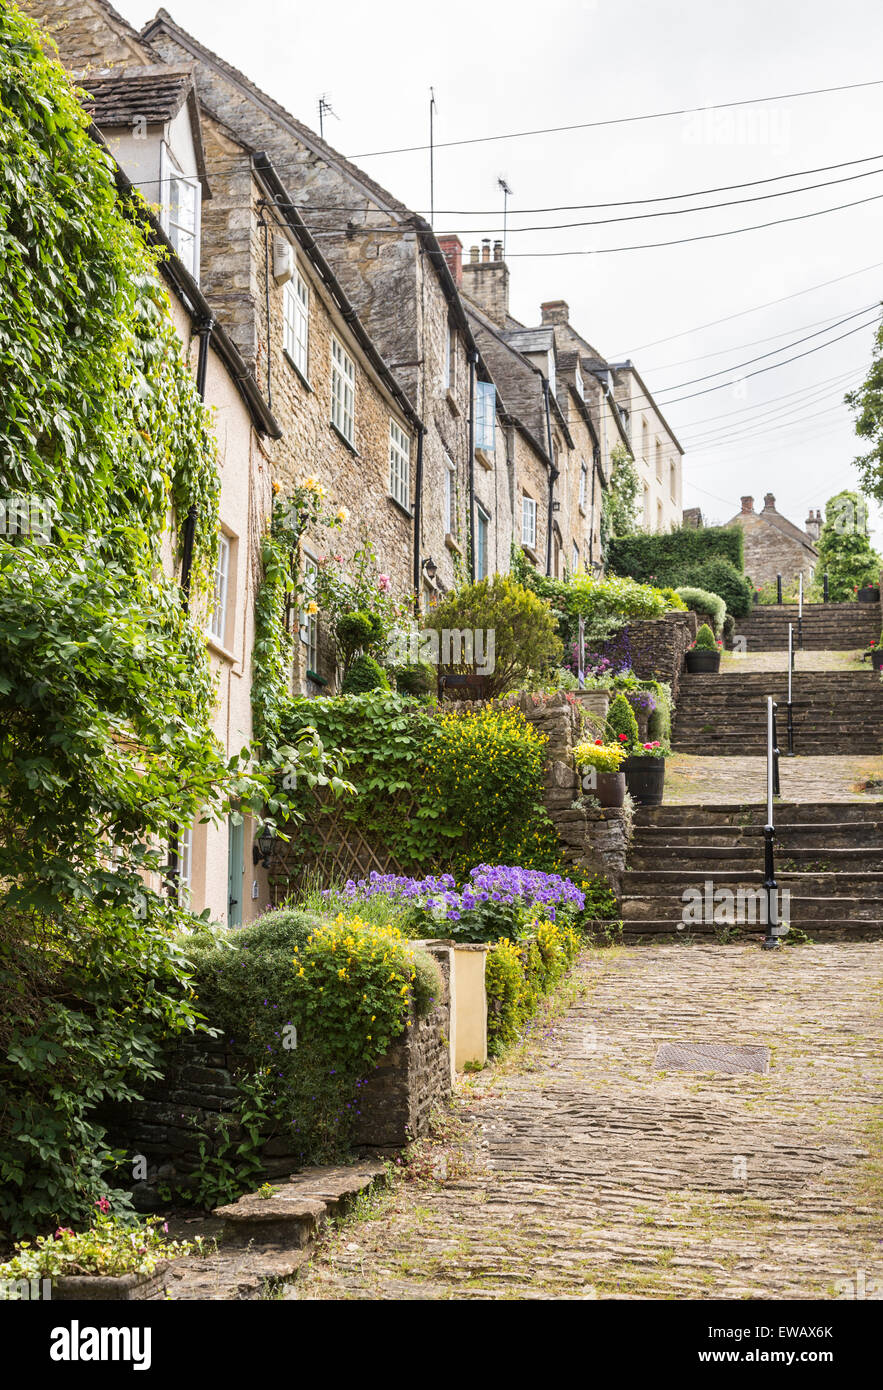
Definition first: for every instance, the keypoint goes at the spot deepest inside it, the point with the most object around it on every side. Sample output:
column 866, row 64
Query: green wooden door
column 235, row 872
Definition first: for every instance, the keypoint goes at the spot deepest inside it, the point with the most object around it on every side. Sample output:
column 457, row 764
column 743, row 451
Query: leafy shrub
column 517, row 973
column 705, row 639
column 722, row 578
column 662, row 558
column 417, row 679
column 356, row 632
column 845, row 550
column 659, row 723
column 484, row 771
column 704, row 602
column 523, row 629
column 675, row 602
column 363, row 675
column 621, row 726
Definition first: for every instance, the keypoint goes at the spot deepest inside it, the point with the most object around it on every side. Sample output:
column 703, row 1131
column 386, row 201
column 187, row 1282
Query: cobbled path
column 693, row 780
column 586, row 1174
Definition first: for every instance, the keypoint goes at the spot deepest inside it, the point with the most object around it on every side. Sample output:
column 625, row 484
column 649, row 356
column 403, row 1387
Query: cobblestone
column 589, row 1175
column 695, row 780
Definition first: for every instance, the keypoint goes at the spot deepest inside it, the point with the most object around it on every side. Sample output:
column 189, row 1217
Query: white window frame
column 399, row 465
column 528, row 521
column 296, row 321
column 574, row 558
column 583, row 483
column 450, row 497
column 170, row 174
column 482, row 523
column 309, row 622
column 221, row 600
column 485, row 416
column 343, row 392
column 185, row 864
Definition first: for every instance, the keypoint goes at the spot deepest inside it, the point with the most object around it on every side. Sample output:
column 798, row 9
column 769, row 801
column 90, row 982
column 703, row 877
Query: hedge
column 661, row 558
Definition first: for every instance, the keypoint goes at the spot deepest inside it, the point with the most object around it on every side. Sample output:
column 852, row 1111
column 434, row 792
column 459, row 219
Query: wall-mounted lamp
column 430, row 568
column 263, row 847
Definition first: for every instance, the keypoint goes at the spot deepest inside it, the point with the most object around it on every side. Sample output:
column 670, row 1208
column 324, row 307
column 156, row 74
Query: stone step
column 851, row 881
column 711, row 858
column 799, row 911
column 791, row 839
column 834, row 929
column 790, row 813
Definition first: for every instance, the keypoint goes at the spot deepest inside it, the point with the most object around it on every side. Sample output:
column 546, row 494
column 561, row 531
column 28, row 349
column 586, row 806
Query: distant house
column 774, row 545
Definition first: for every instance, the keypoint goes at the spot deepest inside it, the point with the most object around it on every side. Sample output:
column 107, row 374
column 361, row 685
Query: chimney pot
column 748, row 504
column 769, row 502
column 485, row 248
column 473, row 255
column 498, row 250
column 452, row 250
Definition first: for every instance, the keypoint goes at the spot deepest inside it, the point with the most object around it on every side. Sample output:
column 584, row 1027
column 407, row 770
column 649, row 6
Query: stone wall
column 197, row 1090
column 654, row 647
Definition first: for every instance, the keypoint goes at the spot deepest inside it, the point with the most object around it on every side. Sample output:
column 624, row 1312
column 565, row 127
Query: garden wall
column 197, row 1089
column 654, row 648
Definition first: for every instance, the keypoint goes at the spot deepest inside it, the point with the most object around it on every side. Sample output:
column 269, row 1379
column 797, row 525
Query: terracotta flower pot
column 702, row 660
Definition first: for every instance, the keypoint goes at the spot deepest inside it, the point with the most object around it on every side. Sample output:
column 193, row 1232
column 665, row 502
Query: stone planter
column 869, row 594
column 645, row 779
column 700, row 660
column 74, row 1288
column 610, row 788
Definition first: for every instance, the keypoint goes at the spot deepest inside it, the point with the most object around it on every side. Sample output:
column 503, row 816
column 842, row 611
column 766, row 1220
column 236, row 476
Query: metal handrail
column 790, row 753
column 771, row 940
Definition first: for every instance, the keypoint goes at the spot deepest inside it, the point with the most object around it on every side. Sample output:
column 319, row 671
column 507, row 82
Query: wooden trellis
column 329, row 846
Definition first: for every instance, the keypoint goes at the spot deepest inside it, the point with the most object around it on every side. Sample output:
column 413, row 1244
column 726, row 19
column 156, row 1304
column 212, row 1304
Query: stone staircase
column 830, row 858
column 835, row 712
column 826, row 626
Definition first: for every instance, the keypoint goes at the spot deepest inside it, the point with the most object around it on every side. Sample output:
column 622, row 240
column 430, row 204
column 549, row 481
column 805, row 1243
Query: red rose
column 599, row 741
column 623, row 738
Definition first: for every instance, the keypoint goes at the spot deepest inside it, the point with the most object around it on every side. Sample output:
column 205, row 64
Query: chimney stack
column 813, row 525
column 555, row 311
column 486, row 281
column 748, row 504
column 769, row 502
column 452, row 250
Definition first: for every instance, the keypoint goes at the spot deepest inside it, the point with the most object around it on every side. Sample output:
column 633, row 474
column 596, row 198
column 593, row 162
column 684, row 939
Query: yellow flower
column 341, row 514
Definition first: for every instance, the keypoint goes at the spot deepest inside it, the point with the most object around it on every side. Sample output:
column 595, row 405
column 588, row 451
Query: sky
column 498, row 70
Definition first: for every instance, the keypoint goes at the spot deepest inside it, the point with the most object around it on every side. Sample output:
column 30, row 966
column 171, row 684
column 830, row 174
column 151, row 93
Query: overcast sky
column 500, row 69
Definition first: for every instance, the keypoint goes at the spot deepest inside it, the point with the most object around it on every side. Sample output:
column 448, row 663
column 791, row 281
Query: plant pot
column 699, row 659
column 869, row 594
column 877, row 658
column 610, row 788
column 69, row 1288
column 645, row 779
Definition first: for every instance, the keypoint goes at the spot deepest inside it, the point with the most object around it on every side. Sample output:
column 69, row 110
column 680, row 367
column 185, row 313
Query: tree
column 498, row 629
column 867, row 402
column 619, row 502
column 845, row 552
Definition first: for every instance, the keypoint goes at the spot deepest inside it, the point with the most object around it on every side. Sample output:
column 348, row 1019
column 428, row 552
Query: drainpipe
column 204, row 329
column 553, row 475
column 473, row 359
column 418, row 509
column 592, row 522
column 262, row 222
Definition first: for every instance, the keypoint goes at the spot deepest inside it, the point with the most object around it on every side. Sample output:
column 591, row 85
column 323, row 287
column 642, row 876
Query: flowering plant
column 603, row 757
column 110, row 1246
column 650, row 750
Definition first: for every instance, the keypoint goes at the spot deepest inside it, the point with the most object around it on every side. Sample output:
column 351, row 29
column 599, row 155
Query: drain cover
column 674, row 1056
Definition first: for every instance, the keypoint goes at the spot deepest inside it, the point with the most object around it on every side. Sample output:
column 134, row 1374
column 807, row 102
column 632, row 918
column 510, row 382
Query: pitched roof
column 123, row 96
column 162, row 20
column 779, row 523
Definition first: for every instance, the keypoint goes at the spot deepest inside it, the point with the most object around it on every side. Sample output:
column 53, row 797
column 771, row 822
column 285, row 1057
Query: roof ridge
column 309, row 137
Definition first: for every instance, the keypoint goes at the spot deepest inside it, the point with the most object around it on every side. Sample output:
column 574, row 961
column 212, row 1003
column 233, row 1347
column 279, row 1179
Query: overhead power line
column 619, row 120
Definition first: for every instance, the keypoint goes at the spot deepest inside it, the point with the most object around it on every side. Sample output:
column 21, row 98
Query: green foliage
column 312, row 1004
column 109, row 1246
column 845, row 551
column 483, row 772
column 357, row 632
column 867, row 403
column 518, row 973
column 705, row 639
column 356, row 587
column 604, row 604
column 522, row 628
column 619, row 500
column 659, row 723
column 417, row 678
column 704, row 602
column 722, row 578
column 363, row 675
column 621, row 726
column 663, row 558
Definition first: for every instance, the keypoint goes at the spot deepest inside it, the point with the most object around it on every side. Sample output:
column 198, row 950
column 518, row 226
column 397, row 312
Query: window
column 450, row 515
column 574, row 559
column 296, row 320
column 450, row 378
column 583, row 484
column 399, row 465
column 309, row 622
column 528, row 522
column 481, row 539
column 218, row 625
column 485, row 415
column 659, row 461
column 673, row 469
column 184, row 220
column 343, row 392
column 185, row 865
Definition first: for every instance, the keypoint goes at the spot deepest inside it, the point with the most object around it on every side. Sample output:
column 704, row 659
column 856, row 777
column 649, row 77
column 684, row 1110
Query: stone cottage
column 774, row 545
